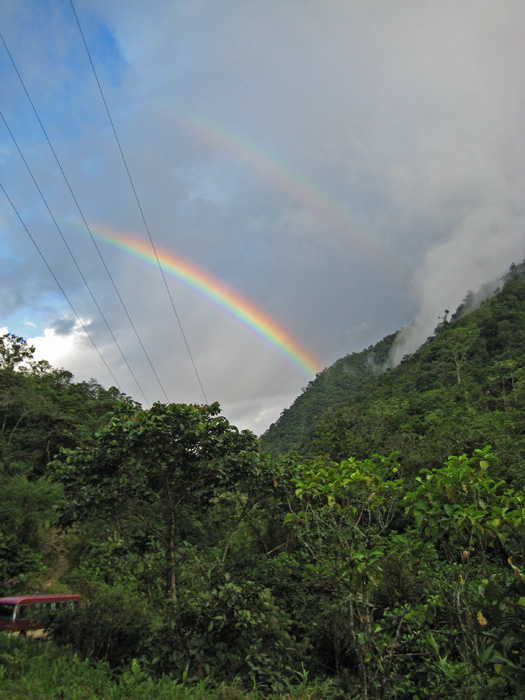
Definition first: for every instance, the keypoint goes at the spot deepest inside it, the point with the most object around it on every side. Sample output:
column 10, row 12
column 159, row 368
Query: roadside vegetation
column 35, row 669
column 383, row 558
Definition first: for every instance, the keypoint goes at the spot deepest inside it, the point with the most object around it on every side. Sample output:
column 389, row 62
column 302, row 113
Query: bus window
column 7, row 611
column 40, row 610
column 23, row 612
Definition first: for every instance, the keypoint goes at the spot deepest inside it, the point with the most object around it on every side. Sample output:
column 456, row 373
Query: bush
column 110, row 625
column 227, row 631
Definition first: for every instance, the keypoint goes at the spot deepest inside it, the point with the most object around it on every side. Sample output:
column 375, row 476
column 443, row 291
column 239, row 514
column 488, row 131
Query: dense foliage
column 203, row 562
column 35, row 670
column 332, row 389
column 41, row 410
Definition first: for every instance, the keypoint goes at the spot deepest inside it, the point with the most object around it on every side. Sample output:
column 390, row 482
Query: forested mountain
column 377, row 552
column 332, row 389
column 464, row 387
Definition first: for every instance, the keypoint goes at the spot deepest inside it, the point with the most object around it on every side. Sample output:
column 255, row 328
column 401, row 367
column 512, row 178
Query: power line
column 72, row 255
column 60, row 286
column 138, row 202
column 84, row 218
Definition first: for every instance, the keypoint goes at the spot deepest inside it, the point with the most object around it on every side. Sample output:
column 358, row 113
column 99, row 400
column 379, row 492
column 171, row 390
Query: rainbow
column 278, row 172
column 202, row 281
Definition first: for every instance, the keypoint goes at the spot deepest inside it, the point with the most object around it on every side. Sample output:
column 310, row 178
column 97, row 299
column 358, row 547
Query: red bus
column 25, row 614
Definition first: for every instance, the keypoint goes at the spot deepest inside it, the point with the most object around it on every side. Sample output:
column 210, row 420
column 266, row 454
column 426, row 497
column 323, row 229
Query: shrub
column 110, row 625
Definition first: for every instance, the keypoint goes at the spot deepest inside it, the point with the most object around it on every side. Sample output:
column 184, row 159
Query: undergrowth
column 40, row 670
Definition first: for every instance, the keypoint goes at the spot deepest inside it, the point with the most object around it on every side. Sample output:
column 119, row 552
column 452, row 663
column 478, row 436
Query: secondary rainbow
column 281, row 174
column 201, row 280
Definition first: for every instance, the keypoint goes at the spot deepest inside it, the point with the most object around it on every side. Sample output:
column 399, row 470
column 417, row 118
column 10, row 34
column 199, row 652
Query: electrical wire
column 84, row 218
column 60, row 286
column 139, row 204
column 72, row 255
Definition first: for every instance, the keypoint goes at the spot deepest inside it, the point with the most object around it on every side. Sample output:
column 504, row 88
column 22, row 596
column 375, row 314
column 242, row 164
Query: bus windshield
column 7, row 611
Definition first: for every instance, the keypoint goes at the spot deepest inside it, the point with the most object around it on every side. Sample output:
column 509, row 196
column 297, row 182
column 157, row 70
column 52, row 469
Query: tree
column 26, row 505
column 422, row 590
column 459, row 342
column 150, row 469
column 344, row 523
column 15, row 352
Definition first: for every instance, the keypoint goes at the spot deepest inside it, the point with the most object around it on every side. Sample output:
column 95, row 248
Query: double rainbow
column 214, row 289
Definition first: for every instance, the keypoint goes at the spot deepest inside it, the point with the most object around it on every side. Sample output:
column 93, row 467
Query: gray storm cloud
column 404, row 119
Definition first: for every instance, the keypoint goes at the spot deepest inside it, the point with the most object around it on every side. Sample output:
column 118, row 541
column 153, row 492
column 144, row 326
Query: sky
column 277, row 184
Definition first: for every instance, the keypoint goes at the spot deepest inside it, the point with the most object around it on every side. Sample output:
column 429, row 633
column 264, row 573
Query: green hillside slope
column 464, row 387
column 41, row 410
column 331, row 389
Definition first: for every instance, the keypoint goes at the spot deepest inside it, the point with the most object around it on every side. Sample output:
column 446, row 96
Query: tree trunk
column 172, row 571
column 173, row 578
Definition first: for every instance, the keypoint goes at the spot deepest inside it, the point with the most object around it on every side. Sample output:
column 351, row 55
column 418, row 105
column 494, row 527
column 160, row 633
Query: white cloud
column 478, row 253
column 54, row 347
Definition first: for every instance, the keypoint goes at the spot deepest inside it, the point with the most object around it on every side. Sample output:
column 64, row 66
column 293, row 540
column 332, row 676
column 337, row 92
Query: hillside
column 41, row 410
column 465, row 386
column 332, row 389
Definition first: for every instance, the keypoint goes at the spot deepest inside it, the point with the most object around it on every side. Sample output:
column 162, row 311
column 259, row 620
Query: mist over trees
column 370, row 545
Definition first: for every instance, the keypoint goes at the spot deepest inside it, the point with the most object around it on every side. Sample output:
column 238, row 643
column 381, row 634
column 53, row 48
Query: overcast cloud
column 349, row 168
